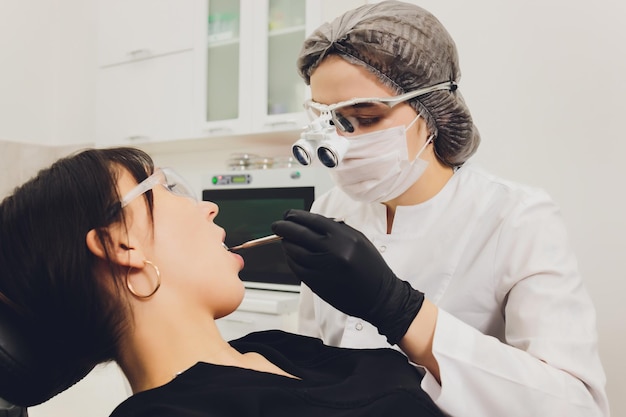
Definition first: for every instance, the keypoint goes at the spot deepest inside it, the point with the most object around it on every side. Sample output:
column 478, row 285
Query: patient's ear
column 121, row 253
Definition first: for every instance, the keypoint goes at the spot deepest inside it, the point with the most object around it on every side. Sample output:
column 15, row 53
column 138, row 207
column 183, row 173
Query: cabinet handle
column 139, row 53
column 220, row 130
column 282, row 123
column 138, row 138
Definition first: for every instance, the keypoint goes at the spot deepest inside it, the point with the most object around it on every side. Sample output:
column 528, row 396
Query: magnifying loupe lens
column 301, row 155
column 302, row 151
column 327, row 157
column 331, row 151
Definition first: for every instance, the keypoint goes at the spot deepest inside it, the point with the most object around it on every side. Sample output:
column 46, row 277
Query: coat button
column 382, row 249
column 359, row 326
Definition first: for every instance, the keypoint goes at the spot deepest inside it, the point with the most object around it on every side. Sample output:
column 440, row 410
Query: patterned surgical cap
column 407, row 48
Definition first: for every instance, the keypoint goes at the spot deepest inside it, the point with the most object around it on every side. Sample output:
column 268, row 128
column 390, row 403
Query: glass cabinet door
column 223, row 45
column 286, row 32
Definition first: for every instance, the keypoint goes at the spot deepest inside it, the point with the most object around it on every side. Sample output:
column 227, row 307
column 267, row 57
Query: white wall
column 545, row 82
column 47, row 71
column 75, row 95
column 27, row 48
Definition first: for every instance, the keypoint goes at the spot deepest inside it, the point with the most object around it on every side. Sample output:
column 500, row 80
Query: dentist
column 471, row 275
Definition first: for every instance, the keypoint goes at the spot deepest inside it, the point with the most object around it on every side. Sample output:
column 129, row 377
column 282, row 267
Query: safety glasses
column 166, row 177
column 360, row 113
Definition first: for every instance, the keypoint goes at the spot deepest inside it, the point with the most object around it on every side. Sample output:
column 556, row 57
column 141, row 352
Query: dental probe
column 256, row 242
column 264, row 240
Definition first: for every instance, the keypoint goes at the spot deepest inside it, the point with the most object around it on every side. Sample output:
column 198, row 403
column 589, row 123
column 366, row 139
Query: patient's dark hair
column 48, row 277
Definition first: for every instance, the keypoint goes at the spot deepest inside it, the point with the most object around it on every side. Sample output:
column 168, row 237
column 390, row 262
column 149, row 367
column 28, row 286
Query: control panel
column 231, row 179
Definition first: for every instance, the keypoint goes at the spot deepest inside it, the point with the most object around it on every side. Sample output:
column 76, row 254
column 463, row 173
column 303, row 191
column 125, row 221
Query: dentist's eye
column 368, row 121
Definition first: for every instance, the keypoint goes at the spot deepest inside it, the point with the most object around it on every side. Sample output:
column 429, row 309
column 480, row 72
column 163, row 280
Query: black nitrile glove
column 343, row 267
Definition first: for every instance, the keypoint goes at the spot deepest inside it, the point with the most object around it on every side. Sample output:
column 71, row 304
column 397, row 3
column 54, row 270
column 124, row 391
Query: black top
column 333, row 382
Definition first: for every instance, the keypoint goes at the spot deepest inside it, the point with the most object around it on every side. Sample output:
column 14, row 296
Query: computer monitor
column 246, row 214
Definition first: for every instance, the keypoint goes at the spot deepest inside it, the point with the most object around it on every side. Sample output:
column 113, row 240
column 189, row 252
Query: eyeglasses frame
column 389, row 101
column 152, row 181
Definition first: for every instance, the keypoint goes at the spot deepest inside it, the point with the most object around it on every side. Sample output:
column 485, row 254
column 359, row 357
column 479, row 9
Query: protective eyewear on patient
column 166, row 177
column 359, row 113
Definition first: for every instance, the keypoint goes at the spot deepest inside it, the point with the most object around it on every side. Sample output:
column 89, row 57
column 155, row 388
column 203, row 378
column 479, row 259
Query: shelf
column 282, row 138
column 227, row 38
column 222, row 39
column 286, row 31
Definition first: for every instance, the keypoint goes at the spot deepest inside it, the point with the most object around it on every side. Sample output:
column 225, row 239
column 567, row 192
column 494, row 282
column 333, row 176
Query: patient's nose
column 210, row 208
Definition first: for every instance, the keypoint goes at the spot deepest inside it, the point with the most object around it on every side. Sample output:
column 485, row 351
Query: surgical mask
column 376, row 167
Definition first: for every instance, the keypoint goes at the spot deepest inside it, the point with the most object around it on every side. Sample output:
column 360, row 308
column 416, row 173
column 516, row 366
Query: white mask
column 376, row 167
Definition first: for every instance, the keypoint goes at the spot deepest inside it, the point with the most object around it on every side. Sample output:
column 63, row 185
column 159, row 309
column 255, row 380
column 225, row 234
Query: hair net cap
column 407, row 48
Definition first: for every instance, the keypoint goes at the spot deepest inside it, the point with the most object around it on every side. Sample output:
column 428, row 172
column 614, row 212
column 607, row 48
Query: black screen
column 247, row 214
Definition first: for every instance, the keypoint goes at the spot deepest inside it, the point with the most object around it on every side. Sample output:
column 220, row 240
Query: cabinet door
column 281, row 91
column 249, row 68
column 137, row 29
column 147, row 100
column 226, row 67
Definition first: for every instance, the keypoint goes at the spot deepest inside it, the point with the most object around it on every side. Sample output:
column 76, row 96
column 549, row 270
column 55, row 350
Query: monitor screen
column 247, row 214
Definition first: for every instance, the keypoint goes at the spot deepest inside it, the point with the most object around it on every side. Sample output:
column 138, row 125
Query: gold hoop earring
column 158, row 281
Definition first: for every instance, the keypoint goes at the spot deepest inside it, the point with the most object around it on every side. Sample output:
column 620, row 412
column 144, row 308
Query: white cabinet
column 247, row 66
column 261, row 310
column 145, row 81
column 146, row 100
column 129, row 30
column 241, row 323
column 181, row 69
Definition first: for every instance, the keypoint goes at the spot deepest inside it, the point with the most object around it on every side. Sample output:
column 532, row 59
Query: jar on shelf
column 241, row 161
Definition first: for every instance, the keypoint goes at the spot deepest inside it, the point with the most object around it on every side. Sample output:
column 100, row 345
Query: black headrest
column 10, row 410
column 29, row 373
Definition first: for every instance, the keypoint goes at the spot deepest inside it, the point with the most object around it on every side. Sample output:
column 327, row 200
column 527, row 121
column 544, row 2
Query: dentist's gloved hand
column 343, row 267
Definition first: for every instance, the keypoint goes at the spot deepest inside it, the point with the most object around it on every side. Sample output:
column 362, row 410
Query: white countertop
column 270, row 302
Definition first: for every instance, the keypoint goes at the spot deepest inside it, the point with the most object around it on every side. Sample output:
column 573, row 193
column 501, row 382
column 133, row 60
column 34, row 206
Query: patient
column 104, row 257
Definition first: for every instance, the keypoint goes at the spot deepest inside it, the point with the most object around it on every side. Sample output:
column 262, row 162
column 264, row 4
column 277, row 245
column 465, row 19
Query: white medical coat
column 516, row 331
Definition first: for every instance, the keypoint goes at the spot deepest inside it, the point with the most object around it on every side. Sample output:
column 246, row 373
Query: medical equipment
column 321, row 133
column 262, row 241
column 249, row 202
column 320, row 138
column 256, row 242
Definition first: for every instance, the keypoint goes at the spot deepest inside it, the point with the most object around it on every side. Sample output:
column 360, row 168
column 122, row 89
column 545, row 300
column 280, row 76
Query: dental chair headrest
column 29, row 373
